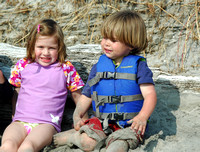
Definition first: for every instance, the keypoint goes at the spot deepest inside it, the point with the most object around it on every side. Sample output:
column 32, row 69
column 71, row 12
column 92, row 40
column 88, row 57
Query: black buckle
column 109, row 75
column 115, row 99
column 118, row 116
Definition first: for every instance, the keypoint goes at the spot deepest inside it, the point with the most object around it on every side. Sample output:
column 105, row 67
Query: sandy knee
column 87, row 143
column 118, row 146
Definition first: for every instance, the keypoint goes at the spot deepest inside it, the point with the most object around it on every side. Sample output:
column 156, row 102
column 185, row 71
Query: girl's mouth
column 45, row 59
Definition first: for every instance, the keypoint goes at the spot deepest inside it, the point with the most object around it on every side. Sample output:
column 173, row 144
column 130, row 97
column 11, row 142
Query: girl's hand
column 138, row 124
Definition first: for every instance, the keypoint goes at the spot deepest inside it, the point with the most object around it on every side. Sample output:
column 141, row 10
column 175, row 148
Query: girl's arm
column 81, row 108
column 139, row 122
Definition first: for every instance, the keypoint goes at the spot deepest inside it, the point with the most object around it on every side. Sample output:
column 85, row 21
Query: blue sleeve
column 86, row 90
column 144, row 74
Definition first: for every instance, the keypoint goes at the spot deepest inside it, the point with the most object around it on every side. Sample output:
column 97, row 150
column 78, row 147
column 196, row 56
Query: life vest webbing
column 96, row 102
column 117, row 116
column 111, row 75
column 114, row 99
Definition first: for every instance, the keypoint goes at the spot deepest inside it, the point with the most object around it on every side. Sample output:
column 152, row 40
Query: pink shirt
column 43, row 91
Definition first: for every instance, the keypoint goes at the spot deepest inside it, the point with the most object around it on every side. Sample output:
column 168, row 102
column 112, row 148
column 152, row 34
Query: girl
column 120, row 88
column 44, row 78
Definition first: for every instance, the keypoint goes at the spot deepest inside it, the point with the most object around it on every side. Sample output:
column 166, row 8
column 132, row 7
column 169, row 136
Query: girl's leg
column 38, row 138
column 13, row 136
column 73, row 137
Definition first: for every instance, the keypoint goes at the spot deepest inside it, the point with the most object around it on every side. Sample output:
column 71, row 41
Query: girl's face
column 46, row 50
column 115, row 50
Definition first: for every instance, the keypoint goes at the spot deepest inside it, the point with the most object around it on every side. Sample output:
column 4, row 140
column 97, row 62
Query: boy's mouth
column 107, row 50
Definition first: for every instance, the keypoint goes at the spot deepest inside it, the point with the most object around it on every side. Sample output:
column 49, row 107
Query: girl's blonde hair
column 127, row 27
column 46, row 27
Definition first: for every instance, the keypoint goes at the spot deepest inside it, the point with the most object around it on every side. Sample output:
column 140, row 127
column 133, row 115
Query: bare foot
column 62, row 138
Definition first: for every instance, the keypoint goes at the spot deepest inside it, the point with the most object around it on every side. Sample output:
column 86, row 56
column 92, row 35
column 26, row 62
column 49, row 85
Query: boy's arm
column 139, row 122
column 81, row 108
column 76, row 95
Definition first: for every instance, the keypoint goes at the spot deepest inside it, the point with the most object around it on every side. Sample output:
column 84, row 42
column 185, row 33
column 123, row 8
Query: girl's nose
column 46, row 51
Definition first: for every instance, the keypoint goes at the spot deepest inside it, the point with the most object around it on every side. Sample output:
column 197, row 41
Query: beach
column 172, row 55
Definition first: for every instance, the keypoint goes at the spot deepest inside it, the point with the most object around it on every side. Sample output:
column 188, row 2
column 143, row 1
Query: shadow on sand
column 163, row 121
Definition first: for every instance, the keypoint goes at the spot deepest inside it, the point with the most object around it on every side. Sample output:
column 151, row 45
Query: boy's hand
column 138, row 124
column 78, row 123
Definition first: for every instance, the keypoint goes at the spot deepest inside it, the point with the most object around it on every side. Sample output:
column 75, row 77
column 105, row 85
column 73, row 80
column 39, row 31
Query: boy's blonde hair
column 127, row 27
column 46, row 27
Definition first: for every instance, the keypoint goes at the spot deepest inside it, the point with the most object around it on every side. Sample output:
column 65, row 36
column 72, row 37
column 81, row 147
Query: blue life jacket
column 115, row 92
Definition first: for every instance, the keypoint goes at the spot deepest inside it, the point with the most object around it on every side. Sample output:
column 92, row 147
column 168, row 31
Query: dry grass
column 82, row 20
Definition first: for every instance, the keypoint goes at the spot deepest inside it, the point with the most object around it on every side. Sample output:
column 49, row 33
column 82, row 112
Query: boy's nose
column 107, row 42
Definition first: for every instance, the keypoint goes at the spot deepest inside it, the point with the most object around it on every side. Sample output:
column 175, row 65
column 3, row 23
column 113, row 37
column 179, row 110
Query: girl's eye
column 52, row 48
column 40, row 47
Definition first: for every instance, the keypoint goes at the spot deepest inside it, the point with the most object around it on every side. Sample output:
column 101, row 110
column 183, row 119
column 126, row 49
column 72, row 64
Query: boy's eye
column 114, row 40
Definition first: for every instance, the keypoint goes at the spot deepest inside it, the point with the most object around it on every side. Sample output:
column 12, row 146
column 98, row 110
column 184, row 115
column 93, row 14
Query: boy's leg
column 73, row 137
column 118, row 146
column 127, row 134
column 38, row 138
column 13, row 136
column 62, row 138
column 86, row 138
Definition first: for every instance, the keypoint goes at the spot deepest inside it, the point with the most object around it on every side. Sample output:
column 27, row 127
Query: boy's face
column 115, row 50
column 46, row 50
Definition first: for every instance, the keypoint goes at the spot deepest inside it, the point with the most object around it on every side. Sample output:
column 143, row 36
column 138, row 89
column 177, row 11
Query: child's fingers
column 78, row 124
column 130, row 121
column 132, row 124
column 142, row 128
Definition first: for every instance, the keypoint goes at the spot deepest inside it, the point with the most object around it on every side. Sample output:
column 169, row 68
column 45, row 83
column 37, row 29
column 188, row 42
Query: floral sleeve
column 74, row 81
column 15, row 77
